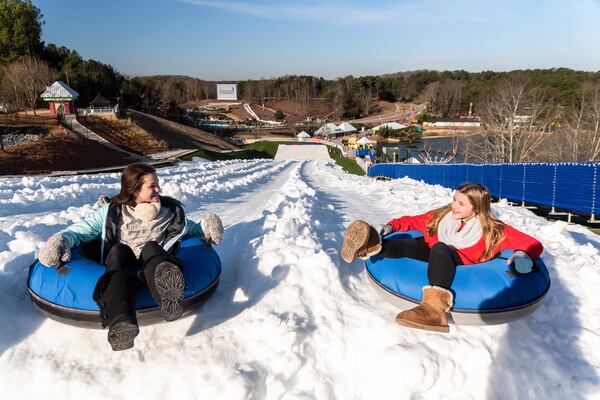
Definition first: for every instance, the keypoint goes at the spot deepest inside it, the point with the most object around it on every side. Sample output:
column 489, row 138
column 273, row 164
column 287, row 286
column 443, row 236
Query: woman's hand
column 523, row 263
column 212, row 227
column 55, row 251
column 383, row 230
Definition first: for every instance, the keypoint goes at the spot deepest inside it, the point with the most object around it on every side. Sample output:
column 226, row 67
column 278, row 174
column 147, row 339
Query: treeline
column 162, row 95
column 28, row 65
column 448, row 93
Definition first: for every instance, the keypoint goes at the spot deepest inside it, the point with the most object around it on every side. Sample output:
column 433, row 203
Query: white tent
column 391, row 125
column 364, row 141
column 328, row 129
column 346, row 127
column 302, row 136
column 332, row 129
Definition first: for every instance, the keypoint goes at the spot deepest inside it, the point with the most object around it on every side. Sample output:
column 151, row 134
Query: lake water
column 440, row 147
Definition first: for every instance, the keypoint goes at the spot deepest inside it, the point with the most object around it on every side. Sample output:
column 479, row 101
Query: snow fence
column 568, row 186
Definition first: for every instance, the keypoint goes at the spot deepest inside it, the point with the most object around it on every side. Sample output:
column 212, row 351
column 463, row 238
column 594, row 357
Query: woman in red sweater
column 462, row 232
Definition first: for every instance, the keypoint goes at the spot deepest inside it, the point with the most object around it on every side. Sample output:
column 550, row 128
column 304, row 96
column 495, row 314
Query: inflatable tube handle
column 62, row 269
column 207, row 243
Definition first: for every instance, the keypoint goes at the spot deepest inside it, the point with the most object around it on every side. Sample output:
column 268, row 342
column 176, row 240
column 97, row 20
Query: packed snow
column 289, row 319
column 302, row 152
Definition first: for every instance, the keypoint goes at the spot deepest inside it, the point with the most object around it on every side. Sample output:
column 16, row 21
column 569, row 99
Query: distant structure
column 226, row 91
column 332, row 130
column 303, row 136
column 444, row 122
column 100, row 102
column 61, row 98
column 99, row 106
column 391, row 125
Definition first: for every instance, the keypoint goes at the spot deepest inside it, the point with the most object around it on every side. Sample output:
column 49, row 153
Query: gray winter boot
column 170, row 286
column 122, row 333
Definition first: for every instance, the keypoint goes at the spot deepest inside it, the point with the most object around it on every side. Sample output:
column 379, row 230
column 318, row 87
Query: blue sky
column 250, row 39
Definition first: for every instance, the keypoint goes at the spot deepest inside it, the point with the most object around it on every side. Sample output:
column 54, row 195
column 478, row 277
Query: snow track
column 289, row 319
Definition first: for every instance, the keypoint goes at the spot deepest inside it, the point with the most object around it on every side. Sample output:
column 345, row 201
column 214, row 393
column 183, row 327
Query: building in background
column 226, row 91
column 61, row 98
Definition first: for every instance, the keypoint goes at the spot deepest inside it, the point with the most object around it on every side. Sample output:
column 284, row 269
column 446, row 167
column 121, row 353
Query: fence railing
column 98, row 110
column 571, row 187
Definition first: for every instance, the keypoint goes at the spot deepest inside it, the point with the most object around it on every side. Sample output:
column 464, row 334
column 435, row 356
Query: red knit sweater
column 514, row 239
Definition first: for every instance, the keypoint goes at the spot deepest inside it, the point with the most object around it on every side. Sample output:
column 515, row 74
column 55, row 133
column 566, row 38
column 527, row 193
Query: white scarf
column 146, row 211
column 448, row 231
column 142, row 223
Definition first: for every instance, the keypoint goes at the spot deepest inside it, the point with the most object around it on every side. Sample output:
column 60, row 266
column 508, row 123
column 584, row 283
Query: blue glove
column 522, row 261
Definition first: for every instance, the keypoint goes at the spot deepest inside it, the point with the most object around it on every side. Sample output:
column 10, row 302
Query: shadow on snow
column 539, row 356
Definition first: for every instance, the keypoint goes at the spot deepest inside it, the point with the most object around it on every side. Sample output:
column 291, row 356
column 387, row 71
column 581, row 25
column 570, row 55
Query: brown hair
column 132, row 180
column 479, row 196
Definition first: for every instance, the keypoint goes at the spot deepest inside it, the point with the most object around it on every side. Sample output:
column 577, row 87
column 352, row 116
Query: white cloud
column 338, row 12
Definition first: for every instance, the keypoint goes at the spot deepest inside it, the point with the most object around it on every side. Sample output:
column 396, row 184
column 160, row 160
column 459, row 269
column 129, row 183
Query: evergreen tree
column 20, row 30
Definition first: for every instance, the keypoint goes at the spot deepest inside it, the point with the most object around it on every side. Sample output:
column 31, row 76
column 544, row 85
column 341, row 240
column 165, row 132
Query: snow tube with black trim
column 68, row 298
column 487, row 293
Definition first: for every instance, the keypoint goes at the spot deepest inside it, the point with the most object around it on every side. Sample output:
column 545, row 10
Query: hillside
column 59, row 150
column 295, row 111
column 178, row 135
column 124, row 134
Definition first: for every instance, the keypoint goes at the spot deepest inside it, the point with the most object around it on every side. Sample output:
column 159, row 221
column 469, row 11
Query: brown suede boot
column 431, row 314
column 355, row 238
column 372, row 247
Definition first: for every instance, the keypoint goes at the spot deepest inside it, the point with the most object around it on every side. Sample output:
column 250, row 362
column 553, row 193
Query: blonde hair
column 479, row 196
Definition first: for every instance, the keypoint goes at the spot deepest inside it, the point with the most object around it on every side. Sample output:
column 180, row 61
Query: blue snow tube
column 486, row 293
column 68, row 298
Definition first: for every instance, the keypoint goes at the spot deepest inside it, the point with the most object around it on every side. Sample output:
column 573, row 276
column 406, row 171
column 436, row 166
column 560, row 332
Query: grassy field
column 347, row 164
column 268, row 150
column 250, row 151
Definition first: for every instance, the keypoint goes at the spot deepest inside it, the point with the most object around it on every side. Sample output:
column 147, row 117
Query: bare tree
column 28, row 77
column 578, row 138
column 515, row 117
column 431, row 155
column 430, row 96
column 367, row 96
column 443, row 97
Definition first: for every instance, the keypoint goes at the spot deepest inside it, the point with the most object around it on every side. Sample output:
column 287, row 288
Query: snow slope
column 302, row 152
column 289, row 319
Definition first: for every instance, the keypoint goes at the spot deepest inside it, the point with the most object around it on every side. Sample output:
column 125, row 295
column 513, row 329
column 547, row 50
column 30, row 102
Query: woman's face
column 462, row 207
column 149, row 191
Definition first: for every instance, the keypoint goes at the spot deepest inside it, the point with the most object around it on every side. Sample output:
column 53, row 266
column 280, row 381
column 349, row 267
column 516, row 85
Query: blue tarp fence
column 365, row 152
column 572, row 187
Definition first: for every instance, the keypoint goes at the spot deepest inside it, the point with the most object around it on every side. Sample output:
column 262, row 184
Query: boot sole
column 170, row 286
column 121, row 336
column 355, row 237
column 418, row 325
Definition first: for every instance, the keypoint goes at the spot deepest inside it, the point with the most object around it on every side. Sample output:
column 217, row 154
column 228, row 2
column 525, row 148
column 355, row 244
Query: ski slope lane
column 523, row 359
column 302, row 152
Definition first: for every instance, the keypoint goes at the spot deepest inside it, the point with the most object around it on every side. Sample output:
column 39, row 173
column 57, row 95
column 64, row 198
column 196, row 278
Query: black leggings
column 442, row 258
column 116, row 290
